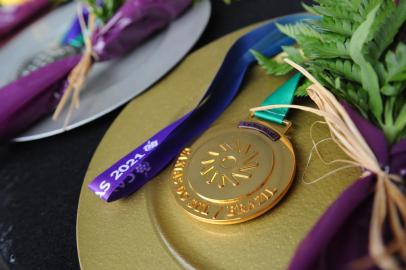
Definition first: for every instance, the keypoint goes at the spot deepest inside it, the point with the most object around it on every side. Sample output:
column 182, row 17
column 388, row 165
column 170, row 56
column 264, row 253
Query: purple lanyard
column 142, row 164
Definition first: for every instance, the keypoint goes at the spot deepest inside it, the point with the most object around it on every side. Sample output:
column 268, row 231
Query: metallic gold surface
column 12, row 2
column 148, row 230
column 232, row 174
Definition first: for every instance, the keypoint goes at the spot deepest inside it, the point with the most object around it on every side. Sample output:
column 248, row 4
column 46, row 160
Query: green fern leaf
column 335, row 11
column 348, row 4
column 386, row 32
column 353, row 93
column 400, row 122
column 340, row 67
column 369, row 77
column 271, row 66
column 393, row 89
column 396, row 64
column 311, row 9
column 314, row 48
column 354, row 50
column 321, row 75
column 299, row 30
column 294, row 54
column 366, row 6
column 301, row 91
column 338, row 26
column 354, row 3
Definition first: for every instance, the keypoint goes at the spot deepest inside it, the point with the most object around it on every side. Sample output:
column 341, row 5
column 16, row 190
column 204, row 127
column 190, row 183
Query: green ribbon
column 283, row 95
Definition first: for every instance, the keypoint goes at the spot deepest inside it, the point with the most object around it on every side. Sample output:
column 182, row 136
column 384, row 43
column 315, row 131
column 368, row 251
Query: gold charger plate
column 149, row 230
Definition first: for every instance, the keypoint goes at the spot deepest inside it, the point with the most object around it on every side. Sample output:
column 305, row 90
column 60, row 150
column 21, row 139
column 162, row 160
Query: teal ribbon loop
column 282, row 95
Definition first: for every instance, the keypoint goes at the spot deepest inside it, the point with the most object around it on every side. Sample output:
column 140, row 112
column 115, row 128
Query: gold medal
column 234, row 173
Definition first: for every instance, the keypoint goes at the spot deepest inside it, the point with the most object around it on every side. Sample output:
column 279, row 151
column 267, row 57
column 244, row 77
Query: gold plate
column 233, row 173
column 148, row 230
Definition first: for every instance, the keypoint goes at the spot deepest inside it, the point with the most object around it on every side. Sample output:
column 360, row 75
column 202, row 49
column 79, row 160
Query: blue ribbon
column 141, row 165
column 74, row 35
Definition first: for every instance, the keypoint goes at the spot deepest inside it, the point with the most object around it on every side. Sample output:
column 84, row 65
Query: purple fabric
column 26, row 100
column 133, row 23
column 12, row 18
column 340, row 237
column 33, row 96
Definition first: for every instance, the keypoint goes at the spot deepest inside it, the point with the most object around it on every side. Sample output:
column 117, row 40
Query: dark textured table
column 40, row 181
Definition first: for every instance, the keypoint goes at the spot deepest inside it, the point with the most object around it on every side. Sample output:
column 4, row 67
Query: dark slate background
column 40, row 181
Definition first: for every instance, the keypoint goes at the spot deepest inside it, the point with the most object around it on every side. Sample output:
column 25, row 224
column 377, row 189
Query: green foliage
column 369, row 78
column 301, row 91
column 271, row 66
column 394, row 67
column 341, row 68
column 294, row 53
column 352, row 50
column 387, row 29
column 299, row 30
column 334, row 10
column 109, row 7
column 342, row 27
column 105, row 11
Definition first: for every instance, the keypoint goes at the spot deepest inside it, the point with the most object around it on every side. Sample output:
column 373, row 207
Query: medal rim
column 281, row 193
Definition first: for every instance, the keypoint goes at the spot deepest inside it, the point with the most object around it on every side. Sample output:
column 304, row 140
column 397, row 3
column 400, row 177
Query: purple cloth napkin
column 133, row 23
column 340, row 237
column 33, row 96
column 28, row 99
column 12, row 18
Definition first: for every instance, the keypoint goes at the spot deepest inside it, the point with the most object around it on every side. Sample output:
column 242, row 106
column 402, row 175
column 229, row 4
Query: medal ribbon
column 74, row 35
column 282, row 95
column 138, row 167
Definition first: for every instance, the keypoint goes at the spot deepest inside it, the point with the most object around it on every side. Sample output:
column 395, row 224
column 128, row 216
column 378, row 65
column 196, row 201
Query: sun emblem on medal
column 229, row 164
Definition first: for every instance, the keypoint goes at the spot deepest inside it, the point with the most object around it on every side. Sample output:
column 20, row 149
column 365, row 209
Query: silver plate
column 110, row 84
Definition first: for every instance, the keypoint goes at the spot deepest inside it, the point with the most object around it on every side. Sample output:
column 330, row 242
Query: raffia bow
column 389, row 202
column 77, row 76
